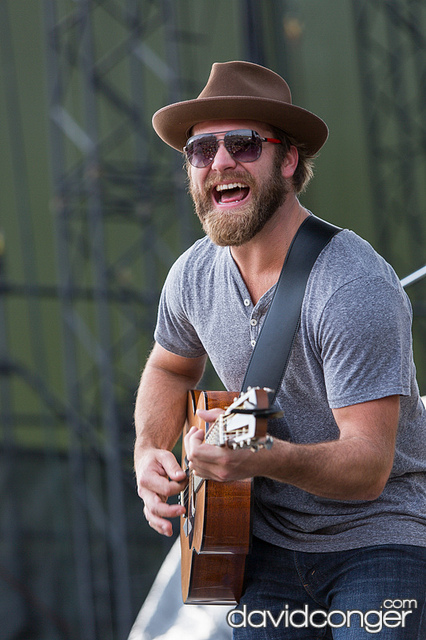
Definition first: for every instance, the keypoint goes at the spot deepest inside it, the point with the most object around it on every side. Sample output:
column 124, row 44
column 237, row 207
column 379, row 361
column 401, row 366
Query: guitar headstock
column 244, row 423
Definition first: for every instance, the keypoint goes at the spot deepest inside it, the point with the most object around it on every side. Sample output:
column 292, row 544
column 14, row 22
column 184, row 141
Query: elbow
column 381, row 476
column 367, row 482
column 372, row 493
column 373, row 489
column 373, row 474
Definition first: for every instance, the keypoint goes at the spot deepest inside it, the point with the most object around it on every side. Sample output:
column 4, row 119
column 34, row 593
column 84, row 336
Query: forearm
column 159, row 417
column 345, row 469
column 160, row 408
column 356, row 466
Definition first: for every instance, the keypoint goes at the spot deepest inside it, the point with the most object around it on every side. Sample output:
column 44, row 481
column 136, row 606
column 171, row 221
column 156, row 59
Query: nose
column 223, row 159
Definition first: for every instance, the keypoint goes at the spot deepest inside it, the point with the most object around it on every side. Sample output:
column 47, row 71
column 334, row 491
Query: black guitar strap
column 271, row 354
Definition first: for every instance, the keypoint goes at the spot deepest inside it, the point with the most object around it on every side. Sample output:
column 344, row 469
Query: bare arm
column 159, row 418
column 354, row 467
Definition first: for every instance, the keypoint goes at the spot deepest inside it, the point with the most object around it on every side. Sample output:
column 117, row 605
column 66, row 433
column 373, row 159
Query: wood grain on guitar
column 215, row 530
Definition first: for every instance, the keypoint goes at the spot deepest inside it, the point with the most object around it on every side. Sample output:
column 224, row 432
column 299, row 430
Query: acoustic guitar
column 215, row 529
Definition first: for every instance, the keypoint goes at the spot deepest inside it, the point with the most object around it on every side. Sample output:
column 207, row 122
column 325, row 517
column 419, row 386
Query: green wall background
column 313, row 43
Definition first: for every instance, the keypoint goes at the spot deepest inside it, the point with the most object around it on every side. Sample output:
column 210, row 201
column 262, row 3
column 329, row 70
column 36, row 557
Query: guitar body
column 216, row 529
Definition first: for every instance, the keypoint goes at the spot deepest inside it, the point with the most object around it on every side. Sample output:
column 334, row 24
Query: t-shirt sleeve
column 364, row 339
column 174, row 330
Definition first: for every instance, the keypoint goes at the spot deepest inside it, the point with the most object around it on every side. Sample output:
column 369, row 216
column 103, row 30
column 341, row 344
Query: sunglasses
column 243, row 145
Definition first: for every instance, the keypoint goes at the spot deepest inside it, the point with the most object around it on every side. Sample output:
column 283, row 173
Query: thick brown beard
column 232, row 229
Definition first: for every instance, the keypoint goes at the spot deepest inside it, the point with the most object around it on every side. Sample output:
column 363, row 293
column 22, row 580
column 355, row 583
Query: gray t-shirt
column 353, row 345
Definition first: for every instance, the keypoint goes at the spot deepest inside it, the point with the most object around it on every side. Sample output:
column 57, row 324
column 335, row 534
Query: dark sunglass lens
column 243, row 148
column 200, row 152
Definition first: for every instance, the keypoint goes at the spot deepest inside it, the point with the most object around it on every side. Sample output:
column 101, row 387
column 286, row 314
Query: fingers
column 221, row 464
column 194, row 432
column 172, row 469
column 193, row 439
column 159, row 476
column 209, row 415
column 195, row 436
column 159, row 471
column 158, row 514
column 202, row 457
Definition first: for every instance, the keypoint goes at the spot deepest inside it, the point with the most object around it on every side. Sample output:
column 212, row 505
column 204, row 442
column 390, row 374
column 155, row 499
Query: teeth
column 232, row 185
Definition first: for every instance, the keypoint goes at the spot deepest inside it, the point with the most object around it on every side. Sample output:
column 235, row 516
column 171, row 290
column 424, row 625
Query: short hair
column 305, row 167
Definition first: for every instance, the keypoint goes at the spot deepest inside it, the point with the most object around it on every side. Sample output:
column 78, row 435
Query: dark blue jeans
column 367, row 593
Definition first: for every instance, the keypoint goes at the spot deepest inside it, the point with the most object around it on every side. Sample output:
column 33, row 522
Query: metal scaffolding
column 121, row 215
column 111, row 200
column 391, row 47
column 114, row 186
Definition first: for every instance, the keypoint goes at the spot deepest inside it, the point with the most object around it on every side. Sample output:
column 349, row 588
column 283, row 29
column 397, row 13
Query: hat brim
column 174, row 122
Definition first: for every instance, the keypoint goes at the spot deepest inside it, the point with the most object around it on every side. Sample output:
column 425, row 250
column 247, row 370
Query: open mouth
column 230, row 193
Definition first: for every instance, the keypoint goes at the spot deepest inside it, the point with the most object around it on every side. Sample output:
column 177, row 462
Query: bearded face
column 253, row 204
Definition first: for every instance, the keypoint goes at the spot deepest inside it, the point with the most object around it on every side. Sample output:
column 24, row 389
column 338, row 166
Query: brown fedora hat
column 242, row 91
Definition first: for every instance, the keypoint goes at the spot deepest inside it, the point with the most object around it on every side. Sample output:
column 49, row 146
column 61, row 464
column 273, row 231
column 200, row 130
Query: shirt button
column 253, row 322
column 247, row 302
column 253, row 343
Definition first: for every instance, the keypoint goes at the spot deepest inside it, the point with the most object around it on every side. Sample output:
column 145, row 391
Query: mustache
column 233, row 176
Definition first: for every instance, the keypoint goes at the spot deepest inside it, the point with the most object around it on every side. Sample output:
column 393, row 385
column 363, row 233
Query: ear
column 290, row 162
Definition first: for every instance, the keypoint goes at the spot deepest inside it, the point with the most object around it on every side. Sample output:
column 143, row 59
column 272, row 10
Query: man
column 339, row 518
